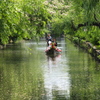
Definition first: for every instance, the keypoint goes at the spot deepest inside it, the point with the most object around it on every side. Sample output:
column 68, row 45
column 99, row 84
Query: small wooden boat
column 52, row 51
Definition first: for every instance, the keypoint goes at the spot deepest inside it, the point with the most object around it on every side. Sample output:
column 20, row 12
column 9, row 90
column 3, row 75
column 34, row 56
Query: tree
column 77, row 17
column 22, row 19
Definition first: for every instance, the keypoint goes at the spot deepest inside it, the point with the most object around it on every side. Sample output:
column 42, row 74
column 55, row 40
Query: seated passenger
column 55, row 42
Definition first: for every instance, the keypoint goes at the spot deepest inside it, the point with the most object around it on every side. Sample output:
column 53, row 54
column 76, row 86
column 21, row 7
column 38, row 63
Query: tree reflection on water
column 56, row 78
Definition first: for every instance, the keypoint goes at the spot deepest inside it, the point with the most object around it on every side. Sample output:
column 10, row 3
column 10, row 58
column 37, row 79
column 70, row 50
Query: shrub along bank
column 88, row 46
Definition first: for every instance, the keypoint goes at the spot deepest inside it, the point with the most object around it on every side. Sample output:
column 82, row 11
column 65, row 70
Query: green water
column 27, row 73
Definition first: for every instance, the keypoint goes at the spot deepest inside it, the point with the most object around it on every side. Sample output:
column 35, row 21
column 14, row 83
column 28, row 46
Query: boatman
column 49, row 38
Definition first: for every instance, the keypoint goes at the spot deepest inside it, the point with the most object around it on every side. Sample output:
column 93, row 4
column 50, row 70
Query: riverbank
column 1, row 47
column 93, row 50
column 10, row 44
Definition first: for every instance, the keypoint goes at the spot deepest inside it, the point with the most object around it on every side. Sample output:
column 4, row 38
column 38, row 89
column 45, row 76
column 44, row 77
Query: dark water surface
column 26, row 73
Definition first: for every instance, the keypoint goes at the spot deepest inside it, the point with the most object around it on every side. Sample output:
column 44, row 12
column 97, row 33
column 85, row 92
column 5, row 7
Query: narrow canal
column 26, row 73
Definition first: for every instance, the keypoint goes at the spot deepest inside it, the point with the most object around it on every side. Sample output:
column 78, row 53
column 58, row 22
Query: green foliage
column 22, row 19
column 90, row 34
column 98, row 57
column 79, row 19
column 26, row 19
column 57, row 26
column 76, row 39
column 98, row 47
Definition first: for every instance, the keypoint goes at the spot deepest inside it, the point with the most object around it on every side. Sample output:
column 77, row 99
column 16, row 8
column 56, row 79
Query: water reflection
column 26, row 73
column 56, row 78
column 53, row 59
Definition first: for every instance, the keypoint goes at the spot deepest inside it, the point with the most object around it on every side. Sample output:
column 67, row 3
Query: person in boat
column 49, row 39
column 54, row 42
column 51, row 44
column 54, row 45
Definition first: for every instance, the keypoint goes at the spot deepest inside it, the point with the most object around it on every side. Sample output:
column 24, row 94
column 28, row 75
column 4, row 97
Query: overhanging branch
column 88, row 24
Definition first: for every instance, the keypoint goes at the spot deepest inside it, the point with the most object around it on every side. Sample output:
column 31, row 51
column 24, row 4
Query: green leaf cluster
column 80, row 18
column 22, row 19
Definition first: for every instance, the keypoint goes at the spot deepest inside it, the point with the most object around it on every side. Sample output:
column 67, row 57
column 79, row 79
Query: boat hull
column 52, row 51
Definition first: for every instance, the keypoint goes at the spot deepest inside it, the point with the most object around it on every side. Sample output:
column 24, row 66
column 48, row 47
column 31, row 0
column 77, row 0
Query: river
column 27, row 73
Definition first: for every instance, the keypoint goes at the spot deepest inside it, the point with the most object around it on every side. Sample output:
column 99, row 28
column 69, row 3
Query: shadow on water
column 53, row 57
